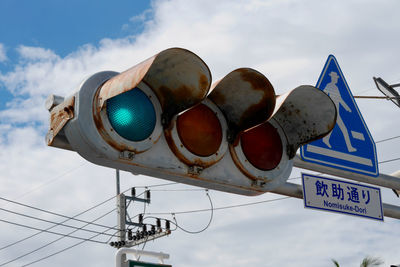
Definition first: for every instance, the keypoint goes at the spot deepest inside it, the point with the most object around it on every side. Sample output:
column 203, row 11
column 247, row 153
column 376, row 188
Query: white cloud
column 36, row 53
column 3, row 55
column 288, row 41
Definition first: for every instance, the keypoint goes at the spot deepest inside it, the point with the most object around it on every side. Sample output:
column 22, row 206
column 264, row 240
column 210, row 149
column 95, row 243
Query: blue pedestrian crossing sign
column 349, row 146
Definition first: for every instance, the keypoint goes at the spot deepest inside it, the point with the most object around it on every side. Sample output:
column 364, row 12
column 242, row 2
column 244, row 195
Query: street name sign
column 349, row 146
column 132, row 263
column 343, row 197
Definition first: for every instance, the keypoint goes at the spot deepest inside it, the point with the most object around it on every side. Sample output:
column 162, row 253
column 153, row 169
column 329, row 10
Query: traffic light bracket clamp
column 59, row 116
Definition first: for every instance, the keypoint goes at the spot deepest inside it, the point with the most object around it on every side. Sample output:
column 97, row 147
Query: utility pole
column 121, row 215
column 126, row 238
column 117, row 181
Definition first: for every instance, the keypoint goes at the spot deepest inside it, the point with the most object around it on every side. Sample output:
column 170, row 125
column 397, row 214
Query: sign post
column 349, row 146
column 132, row 263
column 343, row 197
column 120, row 258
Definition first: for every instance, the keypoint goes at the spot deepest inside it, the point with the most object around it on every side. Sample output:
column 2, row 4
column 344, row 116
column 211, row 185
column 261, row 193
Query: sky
column 50, row 47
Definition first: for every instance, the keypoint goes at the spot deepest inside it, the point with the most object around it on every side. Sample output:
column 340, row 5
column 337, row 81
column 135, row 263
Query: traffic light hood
column 246, row 97
column 305, row 114
column 178, row 77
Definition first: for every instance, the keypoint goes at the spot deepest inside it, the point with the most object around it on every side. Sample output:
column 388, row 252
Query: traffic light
column 163, row 118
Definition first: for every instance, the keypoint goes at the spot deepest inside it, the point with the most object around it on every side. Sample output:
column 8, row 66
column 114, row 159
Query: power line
column 178, row 190
column 176, row 224
column 81, row 242
column 62, row 236
column 48, row 221
column 218, row 208
column 63, row 250
column 155, row 185
column 69, row 218
column 389, row 160
column 51, row 227
column 366, row 90
column 60, row 223
column 50, row 181
column 61, row 215
column 206, row 227
column 387, row 139
column 212, row 209
column 44, row 230
column 69, row 234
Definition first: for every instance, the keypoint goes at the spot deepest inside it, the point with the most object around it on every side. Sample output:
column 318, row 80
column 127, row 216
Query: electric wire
column 67, row 217
column 111, row 237
column 189, row 231
column 156, row 185
column 389, row 160
column 217, row 208
column 52, row 180
column 61, row 215
column 51, row 227
column 69, row 235
column 387, row 139
column 43, row 230
column 48, row 221
column 81, row 242
column 366, row 90
column 47, row 230
column 193, row 211
column 178, row 190
column 144, row 245
column 209, row 222
column 63, row 250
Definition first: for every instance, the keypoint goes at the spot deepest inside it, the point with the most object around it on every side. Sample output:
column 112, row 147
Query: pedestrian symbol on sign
column 349, row 146
column 332, row 90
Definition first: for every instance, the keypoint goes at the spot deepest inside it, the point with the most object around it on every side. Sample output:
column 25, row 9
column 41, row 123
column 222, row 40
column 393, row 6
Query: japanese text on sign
column 344, row 197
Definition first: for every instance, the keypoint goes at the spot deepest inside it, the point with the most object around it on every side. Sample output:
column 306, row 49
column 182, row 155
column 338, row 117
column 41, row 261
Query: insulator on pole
column 133, row 191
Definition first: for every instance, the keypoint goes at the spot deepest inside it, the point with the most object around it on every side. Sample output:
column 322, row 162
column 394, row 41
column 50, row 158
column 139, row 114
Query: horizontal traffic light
column 163, row 118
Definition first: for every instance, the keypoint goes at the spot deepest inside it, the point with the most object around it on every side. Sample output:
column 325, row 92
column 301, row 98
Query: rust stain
column 189, row 163
column 258, row 81
column 217, row 97
column 246, row 97
column 175, row 100
column 176, row 175
column 179, row 78
column 258, row 113
column 59, row 116
column 204, row 82
column 296, row 118
column 124, row 81
column 239, row 164
column 180, row 96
